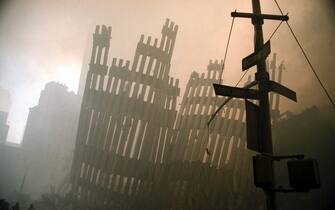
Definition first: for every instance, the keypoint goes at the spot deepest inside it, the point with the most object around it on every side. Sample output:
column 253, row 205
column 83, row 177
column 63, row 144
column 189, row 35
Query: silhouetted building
column 11, row 168
column 49, row 138
column 3, row 127
column 10, row 153
column 5, row 102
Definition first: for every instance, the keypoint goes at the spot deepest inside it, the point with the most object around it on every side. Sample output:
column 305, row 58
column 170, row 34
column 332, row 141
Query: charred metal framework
column 133, row 151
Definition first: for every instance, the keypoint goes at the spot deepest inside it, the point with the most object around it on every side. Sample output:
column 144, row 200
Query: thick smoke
column 42, row 41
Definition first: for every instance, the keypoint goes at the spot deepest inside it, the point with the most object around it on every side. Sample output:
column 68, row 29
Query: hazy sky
column 43, row 40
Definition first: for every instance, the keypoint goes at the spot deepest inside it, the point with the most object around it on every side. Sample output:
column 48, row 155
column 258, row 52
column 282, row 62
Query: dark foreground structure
column 134, row 151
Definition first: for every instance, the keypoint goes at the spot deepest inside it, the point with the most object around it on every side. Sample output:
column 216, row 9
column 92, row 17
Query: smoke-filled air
column 149, row 105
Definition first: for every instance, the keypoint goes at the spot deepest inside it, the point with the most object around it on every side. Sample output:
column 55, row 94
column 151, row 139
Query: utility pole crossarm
column 260, row 16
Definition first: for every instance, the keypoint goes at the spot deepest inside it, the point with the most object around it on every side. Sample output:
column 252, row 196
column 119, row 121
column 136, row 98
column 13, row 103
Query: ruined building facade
column 126, row 120
column 48, row 140
column 135, row 151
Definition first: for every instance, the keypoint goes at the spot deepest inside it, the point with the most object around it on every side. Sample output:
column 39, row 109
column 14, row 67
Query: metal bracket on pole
column 283, row 190
column 280, row 157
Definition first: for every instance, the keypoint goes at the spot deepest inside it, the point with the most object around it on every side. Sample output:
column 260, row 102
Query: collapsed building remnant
column 133, row 151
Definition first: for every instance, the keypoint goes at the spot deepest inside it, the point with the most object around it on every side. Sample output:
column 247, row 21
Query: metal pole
column 262, row 77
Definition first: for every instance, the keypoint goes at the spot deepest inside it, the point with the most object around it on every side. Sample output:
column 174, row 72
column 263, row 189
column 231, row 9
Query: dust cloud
column 43, row 41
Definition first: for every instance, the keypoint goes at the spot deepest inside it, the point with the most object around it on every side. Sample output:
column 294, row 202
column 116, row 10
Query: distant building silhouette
column 3, row 127
column 49, row 137
column 5, row 102
column 10, row 153
column 11, row 168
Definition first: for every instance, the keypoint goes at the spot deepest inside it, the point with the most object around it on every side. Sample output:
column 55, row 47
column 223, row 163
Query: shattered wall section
column 216, row 155
column 126, row 121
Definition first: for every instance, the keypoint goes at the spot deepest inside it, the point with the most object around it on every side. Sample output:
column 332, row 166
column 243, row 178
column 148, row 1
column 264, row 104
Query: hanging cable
column 220, row 75
column 241, row 78
column 224, row 60
column 307, row 59
column 273, row 33
column 226, row 51
column 281, row 11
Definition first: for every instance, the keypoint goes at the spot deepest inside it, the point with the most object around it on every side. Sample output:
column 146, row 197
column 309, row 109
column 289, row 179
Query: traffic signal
column 303, row 174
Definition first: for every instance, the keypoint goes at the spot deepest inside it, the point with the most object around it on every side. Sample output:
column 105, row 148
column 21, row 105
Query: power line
column 273, row 33
column 241, row 78
column 281, row 11
column 220, row 75
column 307, row 59
column 226, row 50
column 223, row 64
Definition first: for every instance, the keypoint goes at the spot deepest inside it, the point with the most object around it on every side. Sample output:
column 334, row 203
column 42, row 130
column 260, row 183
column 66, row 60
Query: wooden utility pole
column 262, row 77
column 259, row 137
